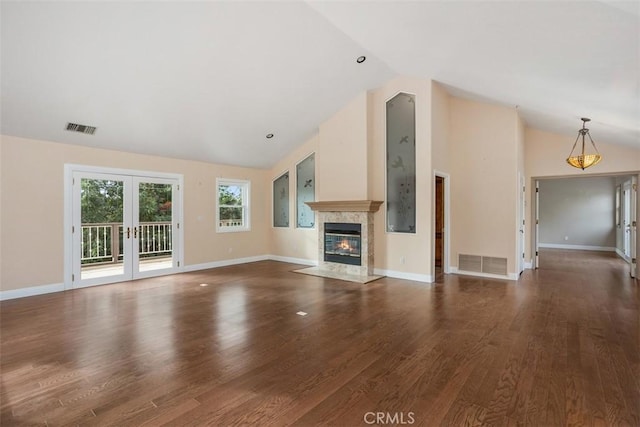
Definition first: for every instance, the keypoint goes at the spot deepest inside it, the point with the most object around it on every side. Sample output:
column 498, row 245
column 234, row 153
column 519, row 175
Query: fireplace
column 342, row 243
column 345, row 240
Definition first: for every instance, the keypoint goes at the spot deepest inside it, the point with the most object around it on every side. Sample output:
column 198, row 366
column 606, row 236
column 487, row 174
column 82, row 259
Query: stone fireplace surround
column 346, row 211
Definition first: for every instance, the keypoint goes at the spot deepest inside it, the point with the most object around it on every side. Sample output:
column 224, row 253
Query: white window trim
column 246, row 204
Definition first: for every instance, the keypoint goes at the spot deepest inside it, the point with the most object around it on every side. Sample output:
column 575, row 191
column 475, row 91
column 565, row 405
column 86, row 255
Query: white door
column 521, row 216
column 626, row 219
column 154, row 225
column 101, row 228
column 633, row 221
column 123, row 227
column 537, row 226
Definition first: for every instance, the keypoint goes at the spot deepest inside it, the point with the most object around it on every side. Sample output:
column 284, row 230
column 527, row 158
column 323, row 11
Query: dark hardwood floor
column 559, row 347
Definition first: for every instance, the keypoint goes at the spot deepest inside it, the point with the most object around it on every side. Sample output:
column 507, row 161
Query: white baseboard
column 528, row 265
column 425, row 278
column 224, row 263
column 577, row 247
column 31, row 291
column 291, row 260
column 509, row 276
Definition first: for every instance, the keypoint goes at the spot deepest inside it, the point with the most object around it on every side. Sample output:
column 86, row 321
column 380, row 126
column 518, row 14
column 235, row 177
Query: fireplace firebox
column 342, row 243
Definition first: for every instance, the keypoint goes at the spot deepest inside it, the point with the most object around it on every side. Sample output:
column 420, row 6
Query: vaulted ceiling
column 209, row 80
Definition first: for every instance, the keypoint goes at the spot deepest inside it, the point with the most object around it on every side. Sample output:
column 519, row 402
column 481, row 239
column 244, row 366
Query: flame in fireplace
column 344, row 245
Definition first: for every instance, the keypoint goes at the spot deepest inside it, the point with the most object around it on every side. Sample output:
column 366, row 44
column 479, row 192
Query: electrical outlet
column 402, row 260
column 566, row 237
column 230, row 250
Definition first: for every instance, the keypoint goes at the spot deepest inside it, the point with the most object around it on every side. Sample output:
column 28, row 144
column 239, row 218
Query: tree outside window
column 233, row 205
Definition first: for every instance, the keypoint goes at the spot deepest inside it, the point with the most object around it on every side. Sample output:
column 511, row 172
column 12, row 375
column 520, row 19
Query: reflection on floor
column 106, row 270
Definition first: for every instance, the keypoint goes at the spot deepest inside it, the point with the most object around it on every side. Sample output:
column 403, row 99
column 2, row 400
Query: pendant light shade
column 582, row 160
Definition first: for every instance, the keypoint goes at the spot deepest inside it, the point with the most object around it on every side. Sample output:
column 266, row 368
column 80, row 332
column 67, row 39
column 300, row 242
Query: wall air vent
column 470, row 263
column 74, row 127
column 493, row 265
column 482, row 264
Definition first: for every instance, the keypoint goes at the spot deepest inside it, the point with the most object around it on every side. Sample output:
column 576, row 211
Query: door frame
column 76, row 267
column 446, row 269
column 633, row 231
column 626, row 207
column 175, row 225
column 521, row 230
column 71, row 168
column 635, row 209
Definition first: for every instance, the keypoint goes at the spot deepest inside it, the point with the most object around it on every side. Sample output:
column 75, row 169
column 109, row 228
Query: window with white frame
column 233, row 205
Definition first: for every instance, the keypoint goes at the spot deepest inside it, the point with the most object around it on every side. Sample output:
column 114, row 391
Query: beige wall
column 293, row 242
column 545, row 157
column 341, row 164
column 520, row 209
column 2, row 179
column 441, row 159
column 32, row 192
column 350, row 165
column 440, row 128
column 484, row 180
column 482, row 147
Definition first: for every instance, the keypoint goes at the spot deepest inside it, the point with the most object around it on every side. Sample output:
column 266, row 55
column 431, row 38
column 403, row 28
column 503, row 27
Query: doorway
column 441, row 209
column 606, row 224
column 124, row 225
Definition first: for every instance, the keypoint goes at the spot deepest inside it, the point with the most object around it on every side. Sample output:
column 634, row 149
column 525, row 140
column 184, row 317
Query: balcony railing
column 103, row 243
column 231, row 222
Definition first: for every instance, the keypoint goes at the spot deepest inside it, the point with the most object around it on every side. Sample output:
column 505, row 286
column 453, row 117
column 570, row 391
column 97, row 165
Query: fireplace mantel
column 345, row 206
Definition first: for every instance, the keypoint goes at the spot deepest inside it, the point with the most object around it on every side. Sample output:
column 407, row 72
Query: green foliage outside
column 230, row 196
column 102, row 201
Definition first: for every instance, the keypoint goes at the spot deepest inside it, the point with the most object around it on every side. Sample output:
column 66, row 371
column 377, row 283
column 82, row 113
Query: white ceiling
column 208, row 80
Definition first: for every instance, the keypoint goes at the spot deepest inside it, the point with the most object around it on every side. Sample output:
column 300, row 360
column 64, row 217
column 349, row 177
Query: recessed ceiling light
column 269, row 135
column 361, row 59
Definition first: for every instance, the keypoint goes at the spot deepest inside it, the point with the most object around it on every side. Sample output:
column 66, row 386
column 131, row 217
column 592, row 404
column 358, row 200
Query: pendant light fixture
column 583, row 160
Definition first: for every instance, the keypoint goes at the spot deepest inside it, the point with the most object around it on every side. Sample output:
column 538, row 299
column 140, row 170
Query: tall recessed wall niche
column 281, row 201
column 401, row 163
column 305, row 192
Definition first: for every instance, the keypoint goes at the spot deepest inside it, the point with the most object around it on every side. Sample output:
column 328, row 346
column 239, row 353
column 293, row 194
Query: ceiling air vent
column 74, row 127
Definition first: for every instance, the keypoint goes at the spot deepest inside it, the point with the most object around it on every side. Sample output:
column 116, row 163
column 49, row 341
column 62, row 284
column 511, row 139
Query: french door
column 631, row 226
column 123, row 227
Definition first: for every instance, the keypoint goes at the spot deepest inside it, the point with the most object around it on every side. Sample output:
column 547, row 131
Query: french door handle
column 128, row 232
column 135, row 232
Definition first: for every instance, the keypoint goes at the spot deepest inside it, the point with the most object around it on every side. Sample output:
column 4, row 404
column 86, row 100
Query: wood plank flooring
column 559, row 347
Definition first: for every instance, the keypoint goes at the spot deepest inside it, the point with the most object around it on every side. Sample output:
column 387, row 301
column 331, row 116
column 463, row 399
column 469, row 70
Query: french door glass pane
column 101, row 240
column 155, row 232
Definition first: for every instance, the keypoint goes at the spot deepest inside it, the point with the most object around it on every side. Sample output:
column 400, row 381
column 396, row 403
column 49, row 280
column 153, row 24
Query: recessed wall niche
column 401, row 163
column 281, row 201
column 305, row 192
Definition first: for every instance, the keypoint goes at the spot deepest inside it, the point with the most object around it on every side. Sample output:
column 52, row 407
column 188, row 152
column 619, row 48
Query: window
column 233, row 205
